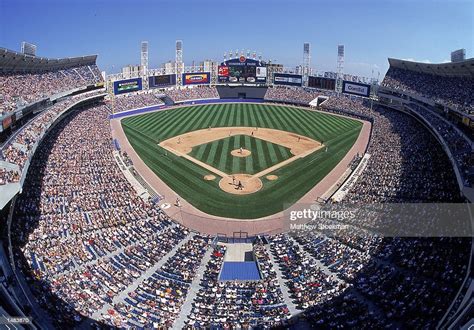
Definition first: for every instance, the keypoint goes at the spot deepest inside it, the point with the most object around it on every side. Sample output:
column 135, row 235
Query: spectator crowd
column 19, row 89
column 454, row 92
column 193, row 93
column 291, row 94
column 20, row 148
column 91, row 248
column 134, row 101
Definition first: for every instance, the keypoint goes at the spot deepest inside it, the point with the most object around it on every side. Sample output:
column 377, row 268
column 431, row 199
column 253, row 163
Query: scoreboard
column 162, row 81
column 322, row 83
column 242, row 70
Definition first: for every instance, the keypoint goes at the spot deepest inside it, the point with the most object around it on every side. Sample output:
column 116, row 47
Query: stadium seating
column 192, row 93
column 134, row 101
column 455, row 92
column 18, row 150
column 19, row 89
column 291, row 95
column 102, row 252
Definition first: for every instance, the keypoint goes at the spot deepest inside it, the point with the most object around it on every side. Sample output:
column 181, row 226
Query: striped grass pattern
column 186, row 178
column 263, row 155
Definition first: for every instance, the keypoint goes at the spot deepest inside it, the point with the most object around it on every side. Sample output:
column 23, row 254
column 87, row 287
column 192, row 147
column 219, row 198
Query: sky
column 371, row 30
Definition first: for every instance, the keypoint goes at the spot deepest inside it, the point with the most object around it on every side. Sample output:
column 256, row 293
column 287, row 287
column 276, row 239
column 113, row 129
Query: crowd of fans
column 19, row 89
column 291, row 94
column 134, row 101
column 402, row 153
column 19, row 149
column 245, row 304
column 81, row 229
column 192, row 93
column 8, row 176
column 460, row 147
column 455, row 92
column 157, row 301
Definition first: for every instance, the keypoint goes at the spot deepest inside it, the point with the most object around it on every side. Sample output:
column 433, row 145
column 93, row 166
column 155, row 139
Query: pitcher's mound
column 271, row 177
column 250, row 184
column 209, row 177
column 237, row 153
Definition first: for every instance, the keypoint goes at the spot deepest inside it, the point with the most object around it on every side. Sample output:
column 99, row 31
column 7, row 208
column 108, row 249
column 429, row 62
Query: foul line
column 257, row 175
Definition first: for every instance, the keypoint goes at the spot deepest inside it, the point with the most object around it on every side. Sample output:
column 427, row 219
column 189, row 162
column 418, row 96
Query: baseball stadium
column 237, row 193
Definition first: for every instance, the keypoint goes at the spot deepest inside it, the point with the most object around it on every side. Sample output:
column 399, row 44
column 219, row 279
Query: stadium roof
column 11, row 61
column 449, row 69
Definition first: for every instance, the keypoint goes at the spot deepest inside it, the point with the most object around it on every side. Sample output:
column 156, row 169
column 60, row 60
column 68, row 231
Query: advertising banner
column 127, row 86
column 261, row 74
column 287, row 79
column 196, row 78
column 354, row 88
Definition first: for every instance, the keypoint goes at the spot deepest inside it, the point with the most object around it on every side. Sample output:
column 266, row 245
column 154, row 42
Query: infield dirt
column 300, row 146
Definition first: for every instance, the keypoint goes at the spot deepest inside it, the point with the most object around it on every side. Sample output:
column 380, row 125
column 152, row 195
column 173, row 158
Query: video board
column 162, row 81
column 197, row 78
column 349, row 87
column 127, row 86
column 287, row 79
column 322, row 83
column 242, row 70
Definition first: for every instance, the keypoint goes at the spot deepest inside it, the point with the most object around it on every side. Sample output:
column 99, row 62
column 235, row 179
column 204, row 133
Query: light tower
column 144, row 64
column 179, row 62
column 340, row 67
column 306, row 63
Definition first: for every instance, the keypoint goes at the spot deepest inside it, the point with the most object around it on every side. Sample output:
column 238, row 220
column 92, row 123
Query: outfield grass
column 263, row 155
column 186, row 178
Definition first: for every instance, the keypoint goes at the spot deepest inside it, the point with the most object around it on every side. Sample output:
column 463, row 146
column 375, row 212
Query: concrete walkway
column 193, row 291
column 284, row 288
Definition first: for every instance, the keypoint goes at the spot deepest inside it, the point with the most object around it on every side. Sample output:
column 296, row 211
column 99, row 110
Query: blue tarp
column 243, row 271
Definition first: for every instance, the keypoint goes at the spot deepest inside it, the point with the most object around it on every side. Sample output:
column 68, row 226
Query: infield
column 280, row 186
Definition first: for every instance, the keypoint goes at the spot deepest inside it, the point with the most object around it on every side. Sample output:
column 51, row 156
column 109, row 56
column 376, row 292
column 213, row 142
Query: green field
column 263, row 155
column 186, row 178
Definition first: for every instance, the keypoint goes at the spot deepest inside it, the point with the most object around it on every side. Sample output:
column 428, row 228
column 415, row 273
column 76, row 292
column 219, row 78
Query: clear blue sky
column 370, row 30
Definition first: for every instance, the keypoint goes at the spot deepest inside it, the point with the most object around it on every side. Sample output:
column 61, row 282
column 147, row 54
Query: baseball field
column 240, row 160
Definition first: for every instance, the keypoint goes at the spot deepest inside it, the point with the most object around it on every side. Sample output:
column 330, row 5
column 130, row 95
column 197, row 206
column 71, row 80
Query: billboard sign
column 353, row 88
column 196, row 78
column 287, row 79
column 162, row 81
column 127, row 86
column 261, row 74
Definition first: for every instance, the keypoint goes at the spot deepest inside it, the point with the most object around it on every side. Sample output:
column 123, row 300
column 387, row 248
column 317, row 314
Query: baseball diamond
column 161, row 139
column 309, row 181
column 262, row 154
